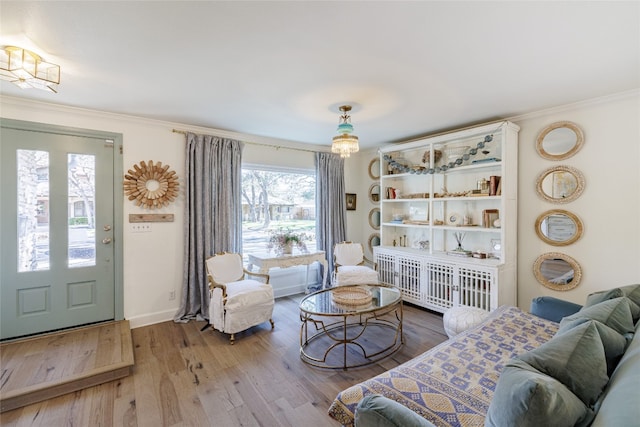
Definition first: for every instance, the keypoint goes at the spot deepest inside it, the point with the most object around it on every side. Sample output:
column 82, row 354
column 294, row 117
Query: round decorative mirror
column 558, row 227
column 374, row 240
column 559, row 141
column 374, row 168
column 374, row 218
column 557, row 271
column 374, row 193
column 560, row 184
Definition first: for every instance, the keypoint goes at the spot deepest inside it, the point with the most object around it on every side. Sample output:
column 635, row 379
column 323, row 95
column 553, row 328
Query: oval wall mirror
column 374, row 218
column 374, row 240
column 374, row 168
column 374, row 193
column 557, row 271
column 560, row 184
column 559, row 141
column 558, row 227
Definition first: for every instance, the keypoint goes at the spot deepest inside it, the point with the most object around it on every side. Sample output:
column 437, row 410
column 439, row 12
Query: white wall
column 152, row 261
column 609, row 251
column 357, row 181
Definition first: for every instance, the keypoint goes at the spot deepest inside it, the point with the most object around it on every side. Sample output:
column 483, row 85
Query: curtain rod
column 277, row 147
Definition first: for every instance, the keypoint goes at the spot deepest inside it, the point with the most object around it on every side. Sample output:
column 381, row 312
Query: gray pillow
column 376, row 410
column 615, row 313
column 633, row 293
column 614, row 343
column 525, row 397
column 576, row 359
column 598, row 297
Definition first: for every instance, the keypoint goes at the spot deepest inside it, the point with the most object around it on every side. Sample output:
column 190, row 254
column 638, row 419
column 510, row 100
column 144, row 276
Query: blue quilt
column 452, row 384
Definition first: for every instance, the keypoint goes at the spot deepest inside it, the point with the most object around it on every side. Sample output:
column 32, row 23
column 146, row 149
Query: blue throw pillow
column 525, row 397
column 576, row 358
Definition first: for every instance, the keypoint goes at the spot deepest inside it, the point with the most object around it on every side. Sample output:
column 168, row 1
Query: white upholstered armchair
column 350, row 268
column 237, row 303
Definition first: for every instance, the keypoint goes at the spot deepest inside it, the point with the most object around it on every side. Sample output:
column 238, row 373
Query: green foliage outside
column 80, row 220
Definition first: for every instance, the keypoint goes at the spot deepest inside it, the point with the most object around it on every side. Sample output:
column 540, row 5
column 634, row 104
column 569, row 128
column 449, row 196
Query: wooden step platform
column 39, row 368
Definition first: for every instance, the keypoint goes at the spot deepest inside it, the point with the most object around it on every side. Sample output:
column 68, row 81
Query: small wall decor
column 557, row 271
column 151, row 185
column 560, row 184
column 374, row 168
column 374, row 218
column 351, row 201
column 559, row 141
column 558, row 227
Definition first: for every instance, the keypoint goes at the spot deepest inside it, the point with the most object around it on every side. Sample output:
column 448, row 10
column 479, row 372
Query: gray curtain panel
column 213, row 215
column 330, row 204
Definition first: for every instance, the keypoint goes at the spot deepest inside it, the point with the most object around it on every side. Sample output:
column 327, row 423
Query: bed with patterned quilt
column 453, row 383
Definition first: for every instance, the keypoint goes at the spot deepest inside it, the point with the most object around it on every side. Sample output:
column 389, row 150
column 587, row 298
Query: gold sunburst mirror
column 151, row 186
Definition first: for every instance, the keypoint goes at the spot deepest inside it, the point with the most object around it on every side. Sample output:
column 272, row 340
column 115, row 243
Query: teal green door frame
column 110, row 143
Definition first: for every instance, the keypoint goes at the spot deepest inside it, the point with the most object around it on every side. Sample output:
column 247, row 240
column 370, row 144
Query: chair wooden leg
column 273, row 325
column 232, row 339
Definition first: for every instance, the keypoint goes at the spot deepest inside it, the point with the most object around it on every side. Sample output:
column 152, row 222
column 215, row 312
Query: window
column 274, row 199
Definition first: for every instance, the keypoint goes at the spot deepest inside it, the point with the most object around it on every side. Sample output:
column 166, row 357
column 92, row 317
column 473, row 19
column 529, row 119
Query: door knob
column 106, row 240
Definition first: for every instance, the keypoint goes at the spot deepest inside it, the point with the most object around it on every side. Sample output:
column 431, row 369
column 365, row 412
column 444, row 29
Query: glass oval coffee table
column 350, row 326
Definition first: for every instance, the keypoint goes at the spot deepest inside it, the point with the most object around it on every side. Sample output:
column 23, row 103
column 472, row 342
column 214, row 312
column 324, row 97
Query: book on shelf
column 493, row 185
column 489, row 216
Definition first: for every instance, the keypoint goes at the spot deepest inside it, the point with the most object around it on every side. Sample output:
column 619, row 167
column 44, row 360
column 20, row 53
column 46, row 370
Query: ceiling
column 281, row 69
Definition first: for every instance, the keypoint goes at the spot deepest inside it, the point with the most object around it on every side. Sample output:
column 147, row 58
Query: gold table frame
column 336, row 321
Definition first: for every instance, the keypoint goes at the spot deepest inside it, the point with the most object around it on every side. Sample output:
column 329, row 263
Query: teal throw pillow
column 525, row 397
column 615, row 313
column 614, row 343
column 598, row 297
column 376, row 410
column 576, row 359
column 633, row 293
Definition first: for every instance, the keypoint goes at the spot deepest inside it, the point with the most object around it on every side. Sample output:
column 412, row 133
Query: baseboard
column 285, row 291
column 151, row 318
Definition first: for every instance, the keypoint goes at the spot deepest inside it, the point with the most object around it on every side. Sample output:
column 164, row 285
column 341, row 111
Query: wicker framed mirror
column 560, row 184
column 374, row 168
column 557, row 271
column 374, row 240
column 558, row 227
column 374, row 218
column 374, row 193
column 559, row 141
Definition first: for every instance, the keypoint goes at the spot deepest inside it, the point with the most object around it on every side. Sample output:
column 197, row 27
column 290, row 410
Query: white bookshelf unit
column 436, row 190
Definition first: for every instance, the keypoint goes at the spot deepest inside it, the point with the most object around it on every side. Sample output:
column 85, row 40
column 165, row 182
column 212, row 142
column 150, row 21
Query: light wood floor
column 50, row 365
column 184, row 377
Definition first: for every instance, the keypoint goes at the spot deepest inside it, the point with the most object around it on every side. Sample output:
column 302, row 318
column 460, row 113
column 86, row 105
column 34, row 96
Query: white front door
column 57, row 229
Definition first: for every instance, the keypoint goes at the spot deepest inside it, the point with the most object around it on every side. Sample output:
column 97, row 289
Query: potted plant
column 283, row 241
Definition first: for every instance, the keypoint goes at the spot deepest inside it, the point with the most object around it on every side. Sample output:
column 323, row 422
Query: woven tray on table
column 351, row 295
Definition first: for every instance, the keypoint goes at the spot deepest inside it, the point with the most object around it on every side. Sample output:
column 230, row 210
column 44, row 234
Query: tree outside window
column 274, row 199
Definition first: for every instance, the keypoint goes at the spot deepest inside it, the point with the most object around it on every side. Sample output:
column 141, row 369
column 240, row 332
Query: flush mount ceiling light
column 345, row 143
column 27, row 69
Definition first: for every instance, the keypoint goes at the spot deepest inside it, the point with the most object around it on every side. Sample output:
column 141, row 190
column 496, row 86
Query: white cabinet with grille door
column 436, row 283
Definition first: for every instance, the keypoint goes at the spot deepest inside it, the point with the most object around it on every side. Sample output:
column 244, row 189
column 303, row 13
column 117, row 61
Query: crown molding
column 248, row 138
